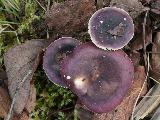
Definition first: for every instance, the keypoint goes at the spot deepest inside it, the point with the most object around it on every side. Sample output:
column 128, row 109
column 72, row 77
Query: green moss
column 30, row 9
column 52, row 101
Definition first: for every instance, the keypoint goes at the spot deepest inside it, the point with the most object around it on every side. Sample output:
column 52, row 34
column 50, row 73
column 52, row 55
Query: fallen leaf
column 145, row 1
column 102, row 3
column 4, row 102
column 150, row 102
column 23, row 116
column 18, row 62
column 137, row 41
column 155, row 6
column 156, row 115
column 124, row 110
column 70, row 16
column 135, row 57
column 133, row 7
column 155, row 61
column 31, row 103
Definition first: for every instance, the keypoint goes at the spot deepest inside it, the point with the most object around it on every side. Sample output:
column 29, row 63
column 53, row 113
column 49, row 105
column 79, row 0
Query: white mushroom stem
column 81, row 84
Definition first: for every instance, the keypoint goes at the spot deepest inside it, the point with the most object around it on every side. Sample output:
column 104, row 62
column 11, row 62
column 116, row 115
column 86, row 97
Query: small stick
column 152, row 96
column 154, row 52
column 16, row 93
column 144, row 39
column 48, row 5
column 155, row 80
column 41, row 5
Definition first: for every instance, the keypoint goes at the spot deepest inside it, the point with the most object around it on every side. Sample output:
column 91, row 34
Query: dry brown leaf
column 133, row 7
column 4, row 102
column 145, row 1
column 18, row 61
column 102, row 3
column 23, row 116
column 155, row 6
column 70, row 16
column 124, row 110
column 135, row 57
column 156, row 115
column 148, row 104
column 155, row 71
column 137, row 41
column 32, row 99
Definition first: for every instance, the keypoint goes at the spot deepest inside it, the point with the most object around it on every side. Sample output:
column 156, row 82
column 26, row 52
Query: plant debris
column 18, row 61
column 21, row 21
column 31, row 103
column 149, row 103
column 73, row 14
column 133, row 7
column 137, row 41
column 155, row 72
column 156, row 115
column 5, row 102
column 102, row 3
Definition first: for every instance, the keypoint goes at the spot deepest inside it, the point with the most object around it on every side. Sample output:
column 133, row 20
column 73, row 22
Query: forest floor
column 27, row 27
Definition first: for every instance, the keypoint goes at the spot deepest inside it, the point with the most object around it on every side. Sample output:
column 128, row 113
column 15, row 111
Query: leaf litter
column 18, row 62
column 20, row 59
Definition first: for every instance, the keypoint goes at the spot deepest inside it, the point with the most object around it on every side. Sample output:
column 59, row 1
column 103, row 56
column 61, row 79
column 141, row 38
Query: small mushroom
column 54, row 54
column 111, row 28
column 100, row 78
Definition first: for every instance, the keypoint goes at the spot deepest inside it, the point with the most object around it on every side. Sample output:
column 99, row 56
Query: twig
column 2, row 29
column 47, row 33
column 8, row 22
column 144, row 40
column 154, row 80
column 154, row 52
column 48, row 5
column 151, row 96
column 65, row 109
column 41, row 5
column 16, row 93
column 75, row 114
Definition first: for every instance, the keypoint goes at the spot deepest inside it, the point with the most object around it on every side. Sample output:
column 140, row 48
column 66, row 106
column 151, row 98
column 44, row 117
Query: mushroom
column 111, row 28
column 100, row 78
column 54, row 54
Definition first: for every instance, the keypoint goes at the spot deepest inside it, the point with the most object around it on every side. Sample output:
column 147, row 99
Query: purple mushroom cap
column 111, row 28
column 53, row 56
column 100, row 78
